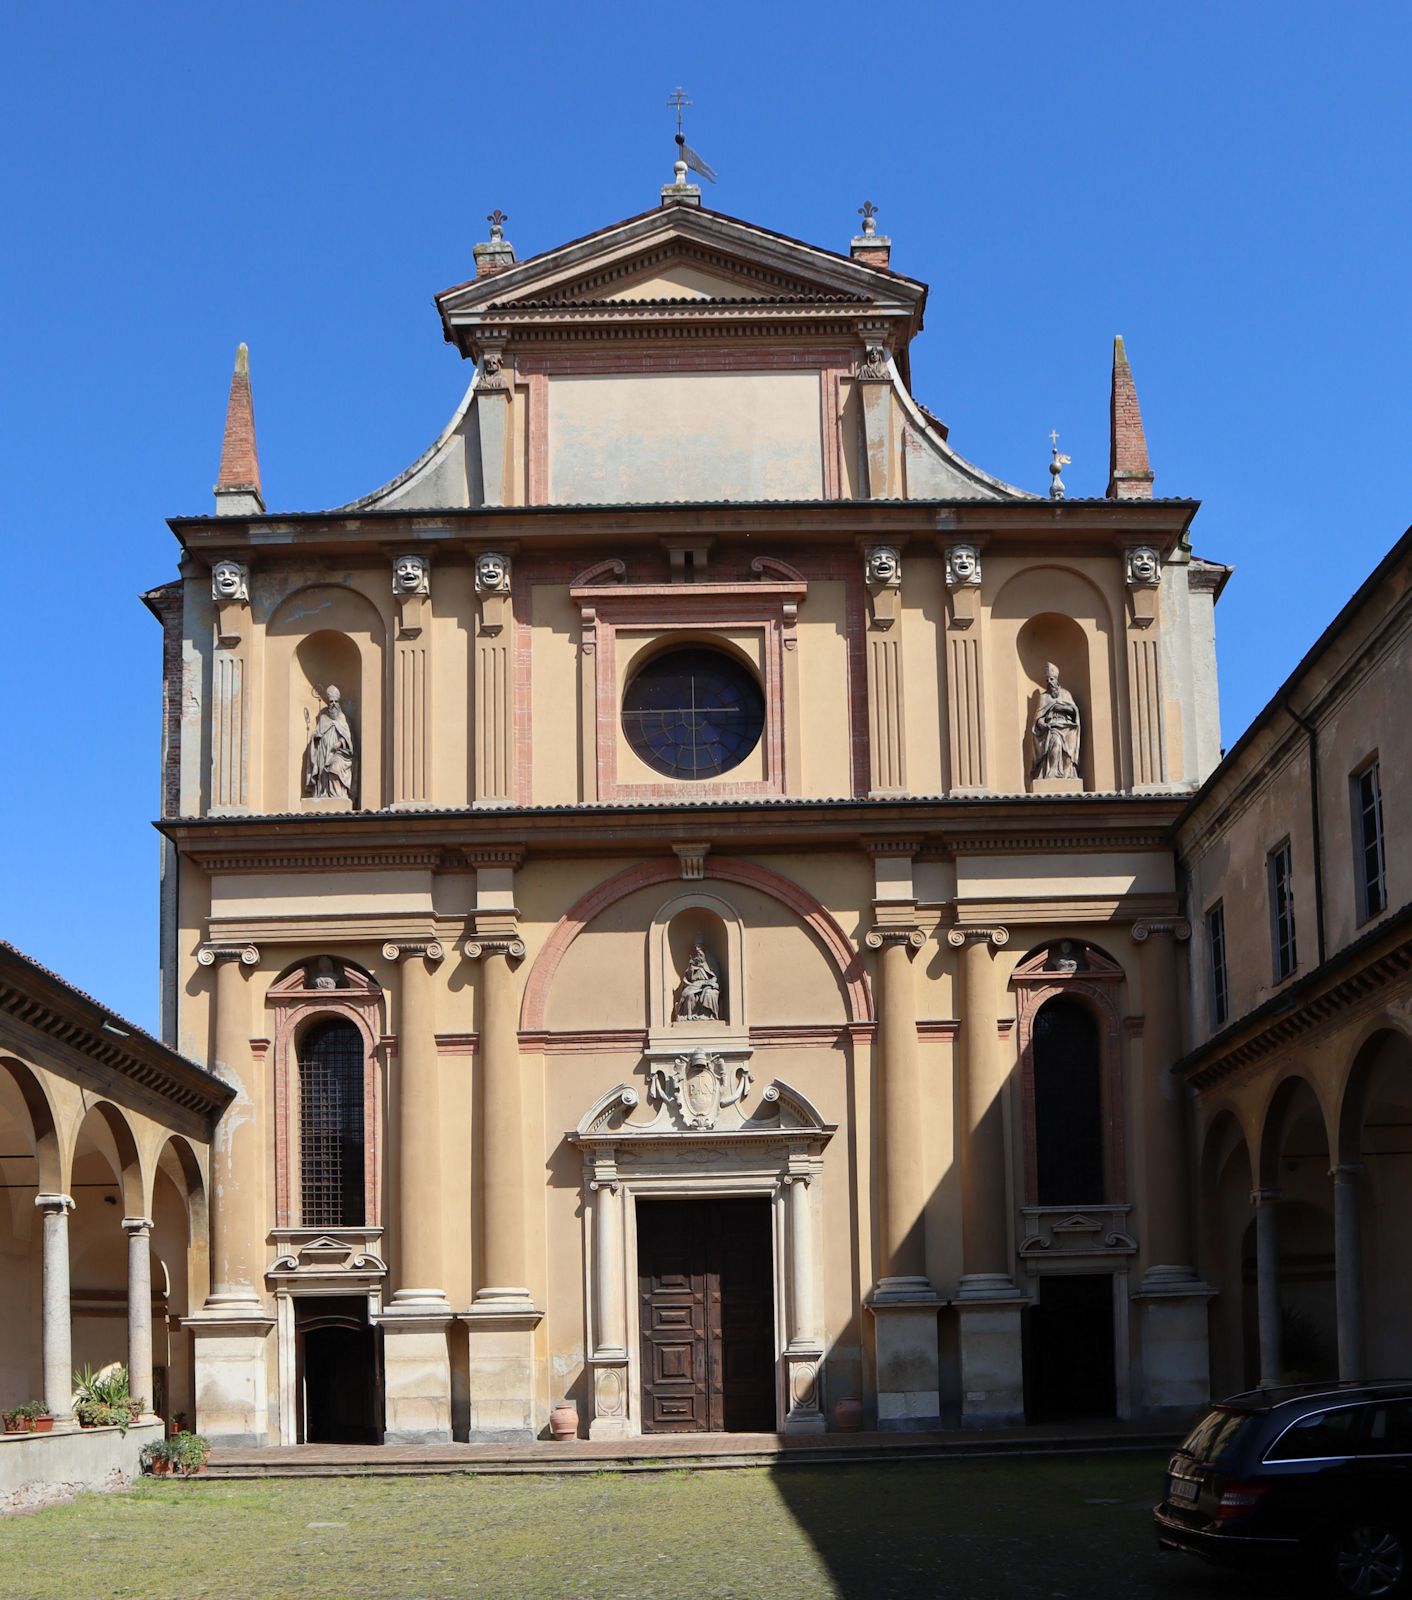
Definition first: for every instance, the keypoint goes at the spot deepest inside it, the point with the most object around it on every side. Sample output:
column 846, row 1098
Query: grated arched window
column 331, row 1125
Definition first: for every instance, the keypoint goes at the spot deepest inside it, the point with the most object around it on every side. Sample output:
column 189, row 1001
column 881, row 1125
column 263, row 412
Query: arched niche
column 322, row 635
column 1045, row 614
column 680, row 924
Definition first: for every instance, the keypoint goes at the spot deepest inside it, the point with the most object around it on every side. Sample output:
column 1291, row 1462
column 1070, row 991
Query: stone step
column 402, row 1461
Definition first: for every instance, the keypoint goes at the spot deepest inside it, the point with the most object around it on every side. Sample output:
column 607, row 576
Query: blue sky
column 1227, row 186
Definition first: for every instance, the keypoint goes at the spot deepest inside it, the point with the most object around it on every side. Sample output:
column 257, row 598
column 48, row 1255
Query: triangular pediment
column 681, row 253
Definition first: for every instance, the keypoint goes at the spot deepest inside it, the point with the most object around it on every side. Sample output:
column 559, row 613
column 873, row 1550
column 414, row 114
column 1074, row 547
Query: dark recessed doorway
column 1068, row 1350
column 706, row 1307
column 340, row 1370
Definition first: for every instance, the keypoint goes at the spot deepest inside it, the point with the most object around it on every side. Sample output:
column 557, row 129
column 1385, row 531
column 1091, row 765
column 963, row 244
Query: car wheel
column 1370, row 1561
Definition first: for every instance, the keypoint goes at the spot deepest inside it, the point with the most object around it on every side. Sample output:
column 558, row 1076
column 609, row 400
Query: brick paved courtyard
column 982, row 1530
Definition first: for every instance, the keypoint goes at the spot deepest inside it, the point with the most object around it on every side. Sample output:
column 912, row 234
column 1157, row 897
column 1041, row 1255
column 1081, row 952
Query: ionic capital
column 138, row 1226
column 432, row 949
column 494, row 945
column 246, row 954
column 1264, row 1197
column 1179, row 928
column 876, row 938
column 957, row 937
column 1346, row 1171
column 54, row 1204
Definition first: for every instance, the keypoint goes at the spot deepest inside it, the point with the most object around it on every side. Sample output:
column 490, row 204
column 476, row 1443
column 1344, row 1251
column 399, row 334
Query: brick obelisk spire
column 238, row 486
column 1129, row 474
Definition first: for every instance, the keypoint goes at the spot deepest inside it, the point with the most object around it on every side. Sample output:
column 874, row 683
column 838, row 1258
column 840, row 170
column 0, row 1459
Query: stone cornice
column 1360, row 974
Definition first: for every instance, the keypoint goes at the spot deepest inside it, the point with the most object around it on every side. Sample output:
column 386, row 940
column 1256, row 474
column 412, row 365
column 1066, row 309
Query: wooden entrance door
column 706, row 1287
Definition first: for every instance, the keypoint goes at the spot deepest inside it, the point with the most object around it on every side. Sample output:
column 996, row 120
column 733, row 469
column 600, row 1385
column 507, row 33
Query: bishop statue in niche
column 700, row 995
column 329, row 756
column 1056, row 730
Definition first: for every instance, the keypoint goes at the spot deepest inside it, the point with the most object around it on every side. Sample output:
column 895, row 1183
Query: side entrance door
column 706, row 1302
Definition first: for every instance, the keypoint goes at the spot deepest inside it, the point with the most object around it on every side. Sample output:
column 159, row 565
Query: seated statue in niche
column 1056, row 730
column 700, row 990
column 329, row 757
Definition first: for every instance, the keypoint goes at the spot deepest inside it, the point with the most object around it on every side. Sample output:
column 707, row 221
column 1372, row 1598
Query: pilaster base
column 1173, row 1335
column 416, row 1371
column 909, row 1367
column 804, row 1373
column 992, row 1363
column 231, row 1358
column 502, row 1324
column 611, row 1419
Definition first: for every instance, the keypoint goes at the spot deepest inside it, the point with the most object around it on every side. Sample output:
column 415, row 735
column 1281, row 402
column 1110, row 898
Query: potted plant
column 102, row 1400
column 12, row 1422
column 188, row 1453
column 41, row 1419
column 156, row 1458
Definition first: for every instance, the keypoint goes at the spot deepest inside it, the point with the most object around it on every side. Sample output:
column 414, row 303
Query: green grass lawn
column 1011, row 1529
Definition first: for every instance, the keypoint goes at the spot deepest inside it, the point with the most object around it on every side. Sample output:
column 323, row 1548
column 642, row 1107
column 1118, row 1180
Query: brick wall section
column 240, row 462
column 873, row 258
column 1129, row 473
column 166, row 605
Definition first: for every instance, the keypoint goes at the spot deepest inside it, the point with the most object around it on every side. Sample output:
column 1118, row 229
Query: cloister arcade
column 1305, row 1185
column 103, row 1152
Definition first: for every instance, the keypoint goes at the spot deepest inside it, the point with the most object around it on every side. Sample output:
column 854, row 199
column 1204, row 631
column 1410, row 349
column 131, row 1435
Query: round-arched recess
column 1294, row 1162
column 1068, row 1104
column 106, row 1185
column 1227, row 1254
column 1374, row 1138
column 29, row 1166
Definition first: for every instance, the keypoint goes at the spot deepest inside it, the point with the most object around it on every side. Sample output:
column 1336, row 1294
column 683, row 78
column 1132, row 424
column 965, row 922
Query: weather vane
column 1056, row 466
column 685, row 154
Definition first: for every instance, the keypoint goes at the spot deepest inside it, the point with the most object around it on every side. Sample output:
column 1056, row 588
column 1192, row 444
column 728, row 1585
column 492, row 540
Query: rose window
column 693, row 713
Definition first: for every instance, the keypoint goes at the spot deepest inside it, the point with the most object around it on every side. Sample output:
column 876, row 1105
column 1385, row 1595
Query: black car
column 1320, row 1476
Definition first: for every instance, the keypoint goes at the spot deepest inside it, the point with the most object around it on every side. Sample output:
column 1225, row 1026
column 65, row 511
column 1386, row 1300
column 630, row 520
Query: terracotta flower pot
column 564, row 1420
column 42, row 1425
column 161, row 1469
column 848, row 1414
column 12, row 1423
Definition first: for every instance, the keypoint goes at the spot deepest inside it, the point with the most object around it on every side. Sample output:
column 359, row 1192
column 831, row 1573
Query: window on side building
column 1280, row 871
column 1216, row 953
column 1369, row 860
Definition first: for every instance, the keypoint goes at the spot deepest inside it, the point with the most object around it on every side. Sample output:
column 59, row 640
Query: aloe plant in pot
column 102, row 1399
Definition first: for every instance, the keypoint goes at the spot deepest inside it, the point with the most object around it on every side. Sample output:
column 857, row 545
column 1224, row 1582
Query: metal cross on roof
column 678, row 98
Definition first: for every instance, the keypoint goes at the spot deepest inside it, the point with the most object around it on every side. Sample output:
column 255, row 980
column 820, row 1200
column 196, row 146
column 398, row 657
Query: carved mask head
column 411, row 575
column 1143, row 565
column 884, row 564
column 963, row 565
column 230, row 581
column 492, row 573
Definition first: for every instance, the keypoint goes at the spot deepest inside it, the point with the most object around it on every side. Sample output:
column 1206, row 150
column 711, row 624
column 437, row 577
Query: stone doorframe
column 776, row 1150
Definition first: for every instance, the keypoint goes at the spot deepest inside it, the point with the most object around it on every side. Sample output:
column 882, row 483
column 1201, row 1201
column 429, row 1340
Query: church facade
column 681, row 885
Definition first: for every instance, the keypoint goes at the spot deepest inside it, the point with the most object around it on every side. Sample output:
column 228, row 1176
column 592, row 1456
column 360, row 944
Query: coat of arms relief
column 699, row 1087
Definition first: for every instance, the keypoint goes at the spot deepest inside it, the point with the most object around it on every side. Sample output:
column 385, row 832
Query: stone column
column 139, row 1309
column 230, row 1333
column 416, row 1351
column 1171, row 1301
column 1267, row 1282
column 904, row 1304
column 57, row 1331
column 987, row 1302
column 609, row 1361
column 1348, row 1268
column 502, row 1317
column 805, row 1352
